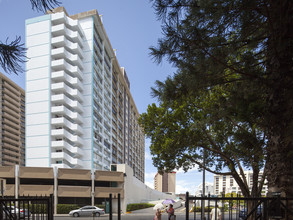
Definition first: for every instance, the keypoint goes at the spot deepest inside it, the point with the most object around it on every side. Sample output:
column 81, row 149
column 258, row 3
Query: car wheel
column 75, row 214
column 97, row 214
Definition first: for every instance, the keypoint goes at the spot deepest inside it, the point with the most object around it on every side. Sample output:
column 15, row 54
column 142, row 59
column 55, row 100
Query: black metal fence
column 118, row 207
column 237, row 208
column 29, row 208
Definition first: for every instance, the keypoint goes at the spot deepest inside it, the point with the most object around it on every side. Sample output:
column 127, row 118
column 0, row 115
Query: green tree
column 12, row 54
column 185, row 130
column 210, row 41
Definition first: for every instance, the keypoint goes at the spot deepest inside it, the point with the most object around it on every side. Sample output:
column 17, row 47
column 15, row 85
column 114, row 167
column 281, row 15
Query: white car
column 14, row 212
column 87, row 211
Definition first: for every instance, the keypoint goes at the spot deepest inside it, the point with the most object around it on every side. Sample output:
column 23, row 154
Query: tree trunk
column 280, row 113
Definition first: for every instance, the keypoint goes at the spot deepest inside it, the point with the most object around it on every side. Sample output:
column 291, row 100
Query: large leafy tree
column 184, row 131
column 12, row 54
column 211, row 40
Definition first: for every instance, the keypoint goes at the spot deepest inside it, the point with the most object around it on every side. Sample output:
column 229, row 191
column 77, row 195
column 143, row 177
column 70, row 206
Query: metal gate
column 111, row 208
column 237, row 208
column 30, row 208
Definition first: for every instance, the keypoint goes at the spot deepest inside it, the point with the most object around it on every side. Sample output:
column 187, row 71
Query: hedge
column 136, row 206
column 66, row 208
column 208, row 209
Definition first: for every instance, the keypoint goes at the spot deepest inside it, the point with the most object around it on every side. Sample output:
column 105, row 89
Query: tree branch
column 205, row 167
column 44, row 5
column 11, row 54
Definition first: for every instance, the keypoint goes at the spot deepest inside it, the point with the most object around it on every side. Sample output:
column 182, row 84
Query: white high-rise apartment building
column 79, row 110
column 227, row 184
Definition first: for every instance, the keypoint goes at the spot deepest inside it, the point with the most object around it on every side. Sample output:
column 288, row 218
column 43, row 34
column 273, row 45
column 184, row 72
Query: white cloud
column 150, row 175
column 148, row 156
column 149, row 184
column 195, row 168
column 183, row 187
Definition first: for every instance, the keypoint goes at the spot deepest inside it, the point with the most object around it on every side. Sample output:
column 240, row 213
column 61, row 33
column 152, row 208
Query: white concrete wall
column 136, row 191
column 38, row 39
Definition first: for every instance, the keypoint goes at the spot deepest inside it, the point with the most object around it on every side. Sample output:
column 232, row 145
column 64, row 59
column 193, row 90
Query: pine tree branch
column 12, row 55
column 44, row 5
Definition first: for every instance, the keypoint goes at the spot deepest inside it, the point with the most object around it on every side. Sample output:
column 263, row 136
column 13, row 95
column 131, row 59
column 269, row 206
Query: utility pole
column 203, row 186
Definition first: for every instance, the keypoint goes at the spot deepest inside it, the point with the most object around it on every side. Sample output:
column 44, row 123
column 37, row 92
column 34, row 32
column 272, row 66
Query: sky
column 132, row 27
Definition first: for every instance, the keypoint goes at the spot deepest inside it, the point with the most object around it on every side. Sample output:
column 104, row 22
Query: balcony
column 63, row 144
column 63, row 99
column 63, row 133
column 61, row 64
column 61, row 29
column 59, row 18
column 64, row 77
column 62, row 41
column 62, row 87
column 62, row 110
column 73, row 162
column 62, row 53
column 63, row 122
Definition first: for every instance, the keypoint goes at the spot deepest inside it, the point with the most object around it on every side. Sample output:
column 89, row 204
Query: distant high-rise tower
column 12, row 132
column 80, row 112
column 165, row 182
column 227, row 184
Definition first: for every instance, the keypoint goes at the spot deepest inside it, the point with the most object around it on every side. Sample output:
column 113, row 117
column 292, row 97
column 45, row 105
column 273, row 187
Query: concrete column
column 93, row 187
column 55, row 172
column 16, row 181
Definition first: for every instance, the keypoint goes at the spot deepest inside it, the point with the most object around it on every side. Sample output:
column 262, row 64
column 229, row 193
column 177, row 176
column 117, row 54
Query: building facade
column 227, row 184
column 165, row 182
column 80, row 112
column 78, row 186
column 209, row 189
column 12, row 132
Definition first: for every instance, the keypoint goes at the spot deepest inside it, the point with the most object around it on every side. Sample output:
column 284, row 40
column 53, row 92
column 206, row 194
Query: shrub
column 198, row 209
column 66, row 208
column 208, row 209
column 136, row 206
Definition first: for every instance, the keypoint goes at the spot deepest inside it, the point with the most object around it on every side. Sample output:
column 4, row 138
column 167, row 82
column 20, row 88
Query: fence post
column 50, row 208
column 110, row 206
column 187, row 205
column 1, row 210
column 119, row 206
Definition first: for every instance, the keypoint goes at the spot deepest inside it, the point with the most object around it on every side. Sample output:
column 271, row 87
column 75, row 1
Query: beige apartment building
column 165, row 182
column 12, row 132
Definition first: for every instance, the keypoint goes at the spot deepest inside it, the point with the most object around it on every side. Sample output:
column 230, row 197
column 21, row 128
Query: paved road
column 144, row 214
